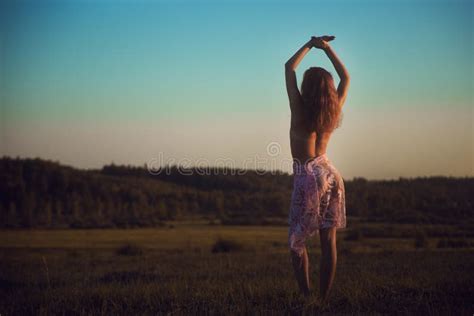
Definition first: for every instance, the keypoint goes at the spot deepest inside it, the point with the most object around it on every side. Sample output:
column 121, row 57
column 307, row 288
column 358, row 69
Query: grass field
column 172, row 270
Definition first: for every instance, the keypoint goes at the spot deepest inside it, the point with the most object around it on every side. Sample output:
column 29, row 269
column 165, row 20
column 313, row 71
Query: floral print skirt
column 317, row 201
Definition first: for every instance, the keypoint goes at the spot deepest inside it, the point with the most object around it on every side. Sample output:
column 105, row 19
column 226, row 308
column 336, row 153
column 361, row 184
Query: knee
column 297, row 244
column 328, row 240
column 328, row 249
column 297, row 250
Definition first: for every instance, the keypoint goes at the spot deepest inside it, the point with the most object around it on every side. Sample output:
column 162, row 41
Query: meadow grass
column 173, row 271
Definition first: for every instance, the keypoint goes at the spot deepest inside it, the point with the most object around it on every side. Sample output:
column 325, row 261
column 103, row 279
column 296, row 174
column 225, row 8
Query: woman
column 318, row 200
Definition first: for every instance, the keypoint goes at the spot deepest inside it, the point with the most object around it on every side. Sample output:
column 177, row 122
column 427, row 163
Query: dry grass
column 80, row 273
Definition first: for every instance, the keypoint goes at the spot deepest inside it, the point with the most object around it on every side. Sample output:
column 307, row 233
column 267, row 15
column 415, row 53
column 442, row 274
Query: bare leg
column 301, row 267
column 328, row 261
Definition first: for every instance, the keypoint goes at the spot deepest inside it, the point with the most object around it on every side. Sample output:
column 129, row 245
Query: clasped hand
column 321, row 42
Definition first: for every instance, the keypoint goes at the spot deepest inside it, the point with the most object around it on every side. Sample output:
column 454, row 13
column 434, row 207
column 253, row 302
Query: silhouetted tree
column 39, row 193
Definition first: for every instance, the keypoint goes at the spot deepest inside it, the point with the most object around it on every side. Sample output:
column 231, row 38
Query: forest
column 36, row 193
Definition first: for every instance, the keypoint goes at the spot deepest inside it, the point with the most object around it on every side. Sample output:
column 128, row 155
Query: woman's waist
column 310, row 159
column 308, row 165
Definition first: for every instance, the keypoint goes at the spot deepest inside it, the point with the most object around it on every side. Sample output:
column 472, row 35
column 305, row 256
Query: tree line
column 41, row 193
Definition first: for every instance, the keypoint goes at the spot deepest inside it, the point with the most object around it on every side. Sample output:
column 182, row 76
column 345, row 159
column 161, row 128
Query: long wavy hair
column 320, row 100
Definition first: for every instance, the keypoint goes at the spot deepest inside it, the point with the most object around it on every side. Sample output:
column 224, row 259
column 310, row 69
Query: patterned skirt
column 317, row 201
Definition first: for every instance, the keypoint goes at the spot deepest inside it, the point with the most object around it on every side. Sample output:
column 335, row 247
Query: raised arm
column 342, row 72
column 290, row 74
column 291, row 65
column 294, row 61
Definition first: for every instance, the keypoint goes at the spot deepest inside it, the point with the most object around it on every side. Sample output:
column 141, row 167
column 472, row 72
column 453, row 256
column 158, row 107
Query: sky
column 88, row 83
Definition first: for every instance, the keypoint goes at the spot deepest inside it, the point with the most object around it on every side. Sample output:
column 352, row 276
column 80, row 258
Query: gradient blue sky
column 91, row 82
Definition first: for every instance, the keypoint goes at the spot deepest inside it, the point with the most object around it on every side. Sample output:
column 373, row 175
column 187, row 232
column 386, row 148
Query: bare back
column 305, row 145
